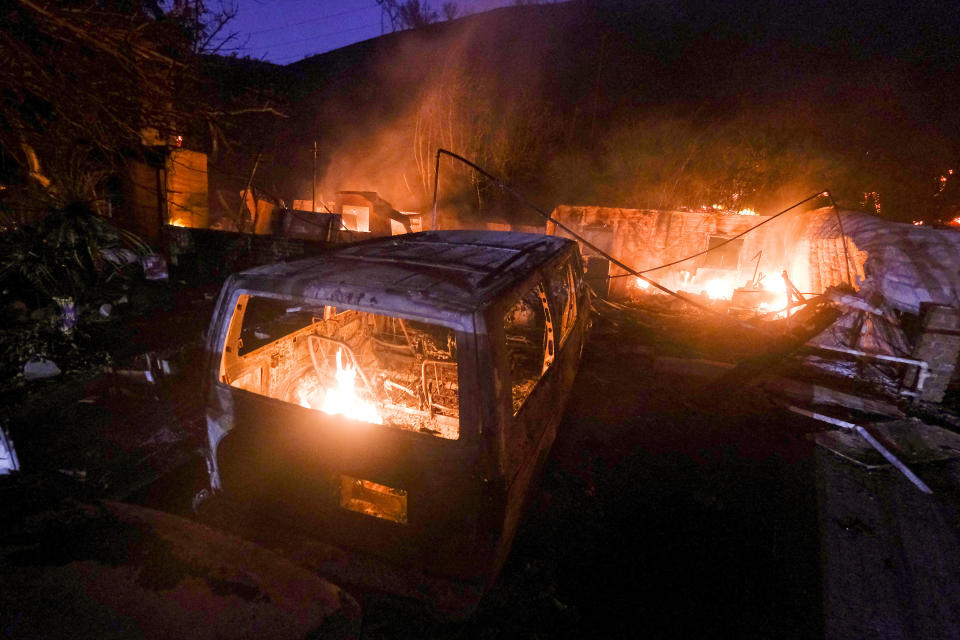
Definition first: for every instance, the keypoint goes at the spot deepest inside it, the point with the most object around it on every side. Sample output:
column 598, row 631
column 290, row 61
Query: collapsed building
column 898, row 285
column 286, row 234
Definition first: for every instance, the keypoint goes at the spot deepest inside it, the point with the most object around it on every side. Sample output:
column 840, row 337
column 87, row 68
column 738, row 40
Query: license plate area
column 373, row 499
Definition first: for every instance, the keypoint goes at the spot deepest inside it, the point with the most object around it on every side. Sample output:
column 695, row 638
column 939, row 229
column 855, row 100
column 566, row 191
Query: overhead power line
column 311, row 20
column 311, row 38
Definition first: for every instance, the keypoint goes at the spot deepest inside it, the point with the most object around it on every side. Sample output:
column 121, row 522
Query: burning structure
column 708, row 252
column 398, row 396
column 909, row 266
column 896, row 283
column 354, row 214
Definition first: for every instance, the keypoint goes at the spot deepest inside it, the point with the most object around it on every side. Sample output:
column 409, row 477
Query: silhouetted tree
column 82, row 83
column 412, row 14
column 450, row 10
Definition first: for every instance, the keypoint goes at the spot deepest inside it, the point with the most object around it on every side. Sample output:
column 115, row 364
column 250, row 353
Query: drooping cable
column 571, row 232
column 739, row 235
column 843, row 238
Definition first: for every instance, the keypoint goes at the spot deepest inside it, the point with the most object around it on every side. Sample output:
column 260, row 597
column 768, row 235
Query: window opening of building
column 723, row 257
column 356, row 218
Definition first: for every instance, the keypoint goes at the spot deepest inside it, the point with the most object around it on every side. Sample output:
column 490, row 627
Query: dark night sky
column 284, row 31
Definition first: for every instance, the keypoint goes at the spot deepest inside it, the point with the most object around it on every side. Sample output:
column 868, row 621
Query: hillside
column 656, row 104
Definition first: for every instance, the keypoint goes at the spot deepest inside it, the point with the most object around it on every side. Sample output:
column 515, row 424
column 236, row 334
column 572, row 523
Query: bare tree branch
column 81, row 83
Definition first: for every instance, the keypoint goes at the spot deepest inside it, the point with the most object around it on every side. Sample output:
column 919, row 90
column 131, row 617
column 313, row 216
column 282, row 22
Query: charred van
column 397, row 397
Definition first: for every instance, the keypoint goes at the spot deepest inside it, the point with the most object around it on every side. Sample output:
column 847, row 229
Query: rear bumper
column 355, row 571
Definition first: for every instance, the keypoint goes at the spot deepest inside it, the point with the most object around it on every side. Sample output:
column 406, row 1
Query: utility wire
column 316, row 37
column 729, row 240
column 311, row 20
column 572, row 233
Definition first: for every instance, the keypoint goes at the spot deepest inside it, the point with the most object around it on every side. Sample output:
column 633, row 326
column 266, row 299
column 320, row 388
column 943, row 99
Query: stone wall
column 201, row 255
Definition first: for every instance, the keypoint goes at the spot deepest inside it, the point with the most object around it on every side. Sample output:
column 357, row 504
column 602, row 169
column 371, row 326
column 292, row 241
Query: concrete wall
column 939, row 347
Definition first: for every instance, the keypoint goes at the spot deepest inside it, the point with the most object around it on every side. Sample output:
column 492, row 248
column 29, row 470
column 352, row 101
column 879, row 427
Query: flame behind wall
column 713, row 254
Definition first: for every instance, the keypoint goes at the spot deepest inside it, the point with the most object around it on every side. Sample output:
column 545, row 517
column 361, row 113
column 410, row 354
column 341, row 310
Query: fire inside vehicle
column 398, row 397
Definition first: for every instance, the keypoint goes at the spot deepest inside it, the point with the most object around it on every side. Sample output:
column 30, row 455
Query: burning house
column 908, row 265
column 365, row 212
column 897, row 284
column 355, row 215
column 646, row 238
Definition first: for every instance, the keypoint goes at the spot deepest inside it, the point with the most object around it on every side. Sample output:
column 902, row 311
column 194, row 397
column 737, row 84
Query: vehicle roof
column 445, row 272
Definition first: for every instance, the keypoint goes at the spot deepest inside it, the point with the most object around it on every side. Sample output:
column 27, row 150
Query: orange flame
column 719, row 289
column 778, row 286
column 340, row 400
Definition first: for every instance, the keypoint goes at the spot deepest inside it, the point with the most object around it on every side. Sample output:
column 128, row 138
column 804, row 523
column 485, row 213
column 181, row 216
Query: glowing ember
column 340, row 400
column 955, row 222
column 918, row 223
column 719, row 208
column 778, row 286
column 719, row 289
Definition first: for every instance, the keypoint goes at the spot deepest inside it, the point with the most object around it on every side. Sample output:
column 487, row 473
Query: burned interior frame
column 368, row 367
column 535, row 327
column 397, row 397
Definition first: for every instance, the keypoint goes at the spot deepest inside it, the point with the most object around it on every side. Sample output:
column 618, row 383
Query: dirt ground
column 664, row 511
column 670, row 507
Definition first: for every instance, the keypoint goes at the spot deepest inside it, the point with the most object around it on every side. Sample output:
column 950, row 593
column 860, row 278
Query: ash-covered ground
column 664, row 511
column 671, row 505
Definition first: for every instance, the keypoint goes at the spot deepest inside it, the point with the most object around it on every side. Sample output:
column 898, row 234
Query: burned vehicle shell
column 397, row 397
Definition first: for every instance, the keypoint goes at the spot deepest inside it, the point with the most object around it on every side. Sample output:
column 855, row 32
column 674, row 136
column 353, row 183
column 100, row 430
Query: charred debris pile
column 839, row 316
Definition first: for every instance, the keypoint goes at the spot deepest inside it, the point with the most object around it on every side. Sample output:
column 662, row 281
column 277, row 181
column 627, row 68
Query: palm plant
column 71, row 253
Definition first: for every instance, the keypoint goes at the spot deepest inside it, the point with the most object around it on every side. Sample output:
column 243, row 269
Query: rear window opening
column 368, row 367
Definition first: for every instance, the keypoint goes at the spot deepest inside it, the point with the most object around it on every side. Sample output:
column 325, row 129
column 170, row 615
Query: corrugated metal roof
column 908, row 265
column 444, row 271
